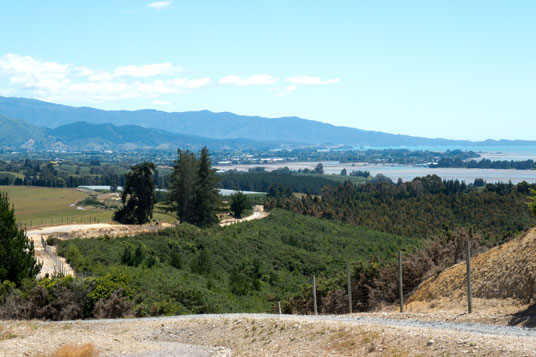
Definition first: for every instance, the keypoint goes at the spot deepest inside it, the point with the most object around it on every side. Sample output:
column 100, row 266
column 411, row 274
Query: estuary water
column 408, row 173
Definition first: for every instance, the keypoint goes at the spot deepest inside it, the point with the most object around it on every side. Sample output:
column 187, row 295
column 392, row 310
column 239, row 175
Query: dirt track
column 52, row 263
column 258, row 213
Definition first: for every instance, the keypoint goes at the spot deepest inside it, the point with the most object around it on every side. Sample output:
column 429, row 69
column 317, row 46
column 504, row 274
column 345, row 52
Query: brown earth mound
column 506, row 271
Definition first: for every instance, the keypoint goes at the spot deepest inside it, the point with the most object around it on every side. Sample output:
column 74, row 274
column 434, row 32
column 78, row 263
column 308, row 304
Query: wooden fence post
column 314, row 296
column 468, row 260
column 348, row 272
column 400, row 285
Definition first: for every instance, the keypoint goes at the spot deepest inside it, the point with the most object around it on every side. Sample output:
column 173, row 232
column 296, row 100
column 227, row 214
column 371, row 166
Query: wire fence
column 59, row 267
column 359, row 297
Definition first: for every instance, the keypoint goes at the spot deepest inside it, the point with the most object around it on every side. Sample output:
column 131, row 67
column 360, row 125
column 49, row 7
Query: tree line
column 421, row 207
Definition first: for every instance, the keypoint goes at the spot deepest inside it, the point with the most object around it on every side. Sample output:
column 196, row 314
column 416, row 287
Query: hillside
column 17, row 133
column 506, row 271
column 127, row 137
column 242, row 267
column 221, row 125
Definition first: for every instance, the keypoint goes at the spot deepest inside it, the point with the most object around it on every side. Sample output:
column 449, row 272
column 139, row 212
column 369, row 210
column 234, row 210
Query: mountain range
column 44, row 124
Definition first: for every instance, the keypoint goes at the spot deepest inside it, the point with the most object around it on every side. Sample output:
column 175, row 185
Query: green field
column 36, row 206
column 15, row 174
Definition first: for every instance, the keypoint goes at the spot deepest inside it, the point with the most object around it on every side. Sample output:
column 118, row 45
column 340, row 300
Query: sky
column 451, row 69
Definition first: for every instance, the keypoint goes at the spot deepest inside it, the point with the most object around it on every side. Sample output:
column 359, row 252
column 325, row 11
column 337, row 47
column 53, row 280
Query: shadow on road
column 525, row 318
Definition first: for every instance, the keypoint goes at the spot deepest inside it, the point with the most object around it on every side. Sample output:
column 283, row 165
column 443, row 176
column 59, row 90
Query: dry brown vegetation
column 503, row 286
column 87, row 350
column 506, row 271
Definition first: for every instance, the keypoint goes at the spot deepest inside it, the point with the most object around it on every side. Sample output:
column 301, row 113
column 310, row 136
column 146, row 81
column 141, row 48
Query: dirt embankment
column 506, row 271
column 503, row 282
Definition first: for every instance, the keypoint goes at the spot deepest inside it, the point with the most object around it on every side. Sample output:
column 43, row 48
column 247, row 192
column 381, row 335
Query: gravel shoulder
column 264, row 334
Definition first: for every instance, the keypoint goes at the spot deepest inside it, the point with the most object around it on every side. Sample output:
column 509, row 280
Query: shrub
column 115, row 306
column 51, row 240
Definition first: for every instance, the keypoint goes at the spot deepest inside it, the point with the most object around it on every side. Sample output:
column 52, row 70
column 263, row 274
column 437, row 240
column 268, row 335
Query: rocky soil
column 264, row 335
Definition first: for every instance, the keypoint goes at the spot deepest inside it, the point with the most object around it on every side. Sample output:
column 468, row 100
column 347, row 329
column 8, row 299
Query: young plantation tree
column 239, row 203
column 137, row 196
column 532, row 203
column 17, row 260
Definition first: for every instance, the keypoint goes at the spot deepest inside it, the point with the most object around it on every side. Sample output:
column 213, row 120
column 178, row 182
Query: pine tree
column 207, row 195
column 182, row 183
column 239, row 203
column 17, row 260
column 137, row 196
column 194, row 196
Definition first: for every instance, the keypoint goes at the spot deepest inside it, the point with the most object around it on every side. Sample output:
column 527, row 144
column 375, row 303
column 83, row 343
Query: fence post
column 349, row 287
column 279, row 305
column 400, row 284
column 468, row 260
column 314, row 295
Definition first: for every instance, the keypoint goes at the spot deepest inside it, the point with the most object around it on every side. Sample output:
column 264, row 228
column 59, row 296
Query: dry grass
column 7, row 335
column 506, row 271
column 87, row 350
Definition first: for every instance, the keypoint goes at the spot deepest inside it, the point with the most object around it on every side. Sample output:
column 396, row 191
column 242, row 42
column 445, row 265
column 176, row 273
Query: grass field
column 16, row 174
column 36, row 206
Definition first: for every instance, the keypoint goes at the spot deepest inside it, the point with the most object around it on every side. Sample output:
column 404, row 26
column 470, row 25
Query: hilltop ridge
column 224, row 125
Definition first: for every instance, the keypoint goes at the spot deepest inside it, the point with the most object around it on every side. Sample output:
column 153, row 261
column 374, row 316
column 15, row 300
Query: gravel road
column 486, row 329
column 225, row 335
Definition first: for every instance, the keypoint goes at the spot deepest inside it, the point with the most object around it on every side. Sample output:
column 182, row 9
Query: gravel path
column 226, row 335
column 512, row 331
column 258, row 213
column 173, row 349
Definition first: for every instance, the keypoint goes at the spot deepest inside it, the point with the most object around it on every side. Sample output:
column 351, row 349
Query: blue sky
column 454, row 69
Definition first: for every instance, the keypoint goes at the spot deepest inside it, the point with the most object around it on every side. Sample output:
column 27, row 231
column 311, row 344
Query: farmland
column 36, row 206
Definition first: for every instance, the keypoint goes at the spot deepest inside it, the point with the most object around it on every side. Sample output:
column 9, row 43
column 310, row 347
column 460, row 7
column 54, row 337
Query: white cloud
column 6, row 92
column 147, row 70
column 192, row 83
column 56, row 81
column 160, row 5
column 255, row 80
column 289, row 90
column 160, row 102
column 310, row 80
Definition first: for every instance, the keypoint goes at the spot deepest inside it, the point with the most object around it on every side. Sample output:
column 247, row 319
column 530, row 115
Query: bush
column 115, row 306
column 51, row 240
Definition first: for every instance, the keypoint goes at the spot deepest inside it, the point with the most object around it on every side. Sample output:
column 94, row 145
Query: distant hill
column 128, row 137
column 221, row 125
column 19, row 134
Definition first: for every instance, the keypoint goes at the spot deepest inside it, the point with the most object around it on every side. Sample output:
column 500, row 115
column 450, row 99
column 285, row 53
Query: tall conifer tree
column 17, row 260
column 138, row 195
column 194, row 196
column 207, row 195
